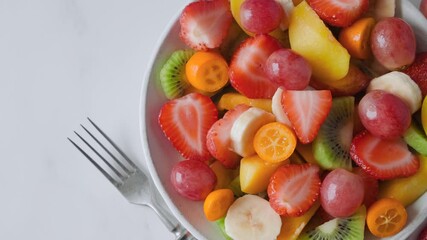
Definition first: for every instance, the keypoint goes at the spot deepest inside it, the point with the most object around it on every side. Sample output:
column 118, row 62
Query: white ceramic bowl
column 161, row 156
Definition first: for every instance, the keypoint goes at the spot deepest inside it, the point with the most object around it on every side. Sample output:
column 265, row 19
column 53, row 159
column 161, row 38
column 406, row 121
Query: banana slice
column 244, row 129
column 401, row 85
column 384, row 9
column 277, row 109
column 251, row 217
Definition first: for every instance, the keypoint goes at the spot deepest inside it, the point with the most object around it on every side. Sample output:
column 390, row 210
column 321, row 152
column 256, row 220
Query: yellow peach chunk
column 255, row 173
column 313, row 40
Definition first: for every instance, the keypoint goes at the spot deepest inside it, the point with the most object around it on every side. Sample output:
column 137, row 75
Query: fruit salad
column 297, row 119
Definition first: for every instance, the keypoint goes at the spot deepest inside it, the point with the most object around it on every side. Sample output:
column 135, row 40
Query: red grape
column 288, row 69
column 341, row 193
column 384, row 115
column 423, row 7
column 260, row 16
column 193, row 179
column 393, row 43
column 423, row 233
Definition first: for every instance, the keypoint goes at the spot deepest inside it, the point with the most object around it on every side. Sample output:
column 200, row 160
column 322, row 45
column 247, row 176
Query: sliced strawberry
column 306, row 110
column 185, row 122
column 370, row 184
column 205, row 24
column 418, row 71
column 218, row 138
column 294, row 188
column 339, row 13
column 247, row 67
column 383, row 159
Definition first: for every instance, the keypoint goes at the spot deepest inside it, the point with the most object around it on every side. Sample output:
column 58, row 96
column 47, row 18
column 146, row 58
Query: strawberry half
column 383, row 159
column 339, row 13
column 418, row 71
column 306, row 110
column 205, row 24
column 247, row 67
column 294, row 188
column 185, row 122
column 218, row 138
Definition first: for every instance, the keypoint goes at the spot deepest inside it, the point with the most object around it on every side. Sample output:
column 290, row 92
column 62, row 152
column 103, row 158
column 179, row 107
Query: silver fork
column 131, row 181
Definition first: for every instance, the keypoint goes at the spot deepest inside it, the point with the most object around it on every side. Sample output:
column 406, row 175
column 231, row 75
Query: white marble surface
column 60, row 61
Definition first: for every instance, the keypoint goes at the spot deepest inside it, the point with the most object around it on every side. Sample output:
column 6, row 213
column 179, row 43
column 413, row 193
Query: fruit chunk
column 255, row 174
column 260, row 16
column 423, row 7
column 327, row 57
column 383, row 159
column 293, row 226
column 217, row 203
column 177, row 121
column 386, row 217
column 193, row 179
column 274, row 142
column 224, row 176
column 401, row 85
column 384, row 9
column 424, row 115
column 406, row 190
column 221, row 225
column 244, row 129
column 356, row 37
column 247, row 74
column 339, row 13
column 331, row 148
column 207, row 71
column 231, row 100
column 341, row 193
column 354, row 82
column 351, row 228
column 246, row 219
column 393, row 43
column 418, row 71
column 204, row 24
column 370, row 186
column 416, row 139
column 218, row 139
column 277, row 109
column 384, row 115
column 287, row 69
column 294, row 188
column 172, row 75
column 306, row 110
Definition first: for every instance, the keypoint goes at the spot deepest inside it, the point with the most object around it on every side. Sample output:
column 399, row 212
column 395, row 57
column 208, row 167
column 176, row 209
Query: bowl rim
column 143, row 136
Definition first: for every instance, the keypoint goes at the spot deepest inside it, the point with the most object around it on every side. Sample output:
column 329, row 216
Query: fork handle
column 171, row 223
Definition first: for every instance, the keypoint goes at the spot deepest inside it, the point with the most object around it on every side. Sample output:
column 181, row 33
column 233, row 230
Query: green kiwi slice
column 350, row 228
column 221, row 226
column 172, row 75
column 416, row 139
column 332, row 144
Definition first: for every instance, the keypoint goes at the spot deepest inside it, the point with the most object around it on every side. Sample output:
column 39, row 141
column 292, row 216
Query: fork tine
column 107, row 151
column 111, row 179
column 100, row 156
column 113, row 144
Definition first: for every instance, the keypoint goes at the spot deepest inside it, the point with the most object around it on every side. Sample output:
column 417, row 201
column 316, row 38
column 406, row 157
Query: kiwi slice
column 172, row 74
column 331, row 147
column 221, row 225
column 350, row 228
column 416, row 139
